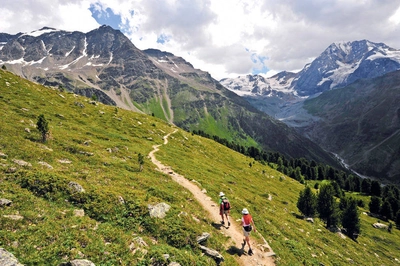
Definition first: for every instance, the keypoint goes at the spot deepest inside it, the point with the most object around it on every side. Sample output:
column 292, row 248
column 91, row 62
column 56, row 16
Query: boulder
column 380, row 226
column 78, row 262
column 8, row 259
column 45, row 164
column 22, row 163
column 79, row 213
column 203, row 237
column 159, row 211
column 121, row 200
column 212, row 253
column 75, row 187
column 14, row 217
column 5, row 202
column 174, row 264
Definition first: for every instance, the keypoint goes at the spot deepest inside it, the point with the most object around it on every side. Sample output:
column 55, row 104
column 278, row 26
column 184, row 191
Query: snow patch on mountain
column 258, row 85
column 392, row 54
column 340, row 74
column 42, row 31
column 68, row 53
column 341, row 64
column 111, row 58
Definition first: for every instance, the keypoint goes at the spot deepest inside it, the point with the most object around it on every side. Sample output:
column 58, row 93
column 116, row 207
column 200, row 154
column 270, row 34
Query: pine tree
column 140, row 161
column 376, row 189
column 43, row 127
column 366, row 186
column 351, row 218
column 307, row 202
column 327, row 208
column 397, row 219
column 375, row 205
column 386, row 210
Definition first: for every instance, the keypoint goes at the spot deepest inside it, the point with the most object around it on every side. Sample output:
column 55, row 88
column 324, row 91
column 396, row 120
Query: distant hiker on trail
column 224, row 208
column 247, row 221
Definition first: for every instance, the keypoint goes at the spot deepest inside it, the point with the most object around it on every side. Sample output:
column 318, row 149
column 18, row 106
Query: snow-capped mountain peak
column 340, row 64
column 343, row 63
column 259, row 85
column 43, row 30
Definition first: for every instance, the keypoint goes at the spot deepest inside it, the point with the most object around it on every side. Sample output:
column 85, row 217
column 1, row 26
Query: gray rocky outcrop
column 78, row 262
column 212, row 253
column 158, row 211
column 79, row 213
column 203, row 237
column 22, row 163
column 5, row 202
column 75, row 187
column 8, row 259
column 380, row 226
column 14, row 217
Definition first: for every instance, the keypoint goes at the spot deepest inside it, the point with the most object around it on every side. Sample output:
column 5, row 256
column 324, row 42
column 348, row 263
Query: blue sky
column 105, row 16
column 227, row 38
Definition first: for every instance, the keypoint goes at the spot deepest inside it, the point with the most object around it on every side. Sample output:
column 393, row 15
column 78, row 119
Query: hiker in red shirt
column 247, row 222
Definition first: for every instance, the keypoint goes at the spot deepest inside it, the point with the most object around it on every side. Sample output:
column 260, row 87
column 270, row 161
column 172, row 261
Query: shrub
column 46, row 185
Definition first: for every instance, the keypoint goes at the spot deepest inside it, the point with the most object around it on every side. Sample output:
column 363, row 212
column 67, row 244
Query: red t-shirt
column 246, row 219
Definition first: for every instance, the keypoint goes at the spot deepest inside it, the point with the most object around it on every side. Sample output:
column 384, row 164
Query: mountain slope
column 361, row 123
column 347, row 131
column 97, row 147
column 105, row 65
column 343, row 63
column 340, row 64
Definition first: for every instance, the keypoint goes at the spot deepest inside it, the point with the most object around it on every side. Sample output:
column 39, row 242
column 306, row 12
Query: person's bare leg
column 247, row 239
column 227, row 218
column 248, row 243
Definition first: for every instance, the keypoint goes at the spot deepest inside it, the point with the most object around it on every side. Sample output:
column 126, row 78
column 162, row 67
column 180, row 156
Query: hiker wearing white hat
column 224, row 208
column 246, row 223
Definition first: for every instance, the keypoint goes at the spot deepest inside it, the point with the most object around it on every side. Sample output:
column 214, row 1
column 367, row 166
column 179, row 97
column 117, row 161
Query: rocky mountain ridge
column 363, row 71
column 340, row 64
column 104, row 64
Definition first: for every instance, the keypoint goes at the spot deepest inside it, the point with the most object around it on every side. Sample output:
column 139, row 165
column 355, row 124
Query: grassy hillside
column 97, row 146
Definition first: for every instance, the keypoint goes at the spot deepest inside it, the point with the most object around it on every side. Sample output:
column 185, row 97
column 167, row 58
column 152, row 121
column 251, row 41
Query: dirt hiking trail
column 263, row 254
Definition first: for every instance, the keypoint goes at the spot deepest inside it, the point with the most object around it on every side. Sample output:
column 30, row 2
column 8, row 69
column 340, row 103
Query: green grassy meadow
column 97, row 146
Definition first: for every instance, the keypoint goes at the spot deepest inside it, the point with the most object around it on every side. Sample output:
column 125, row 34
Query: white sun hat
column 245, row 211
column 221, row 194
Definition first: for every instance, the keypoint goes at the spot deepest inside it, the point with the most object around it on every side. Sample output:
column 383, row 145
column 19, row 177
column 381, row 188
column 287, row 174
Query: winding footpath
column 263, row 254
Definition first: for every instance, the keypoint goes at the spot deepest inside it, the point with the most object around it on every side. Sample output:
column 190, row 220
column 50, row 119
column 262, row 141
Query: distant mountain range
column 340, row 64
column 347, row 100
column 104, row 64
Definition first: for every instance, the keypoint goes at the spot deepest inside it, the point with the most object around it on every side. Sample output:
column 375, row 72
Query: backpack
column 227, row 205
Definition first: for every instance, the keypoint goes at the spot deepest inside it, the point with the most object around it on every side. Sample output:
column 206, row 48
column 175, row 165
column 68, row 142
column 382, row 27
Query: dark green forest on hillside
column 302, row 170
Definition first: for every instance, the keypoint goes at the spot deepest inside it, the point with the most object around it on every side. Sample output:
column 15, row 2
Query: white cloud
column 222, row 36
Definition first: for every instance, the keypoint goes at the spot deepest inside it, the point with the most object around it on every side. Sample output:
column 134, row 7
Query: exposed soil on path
column 263, row 254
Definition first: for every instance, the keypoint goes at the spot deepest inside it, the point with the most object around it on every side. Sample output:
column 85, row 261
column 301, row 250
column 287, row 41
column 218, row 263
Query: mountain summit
column 105, row 65
column 343, row 63
column 340, row 64
column 346, row 100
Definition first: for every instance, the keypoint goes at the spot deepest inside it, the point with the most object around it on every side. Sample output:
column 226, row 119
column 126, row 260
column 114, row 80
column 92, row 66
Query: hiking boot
column 229, row 223
column 222, row 222
column 250, row 252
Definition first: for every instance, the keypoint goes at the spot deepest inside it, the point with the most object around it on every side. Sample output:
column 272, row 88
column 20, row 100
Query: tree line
column 385, row 201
